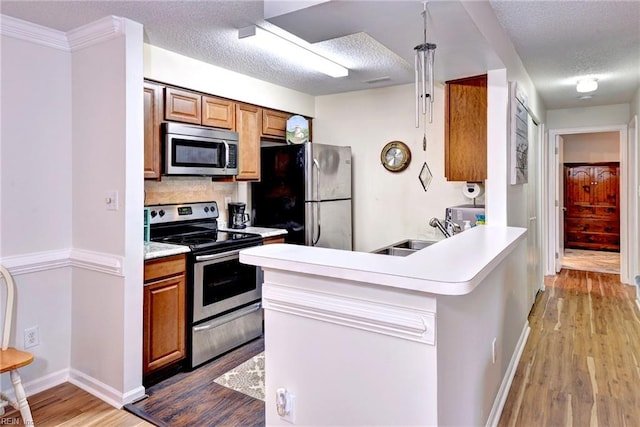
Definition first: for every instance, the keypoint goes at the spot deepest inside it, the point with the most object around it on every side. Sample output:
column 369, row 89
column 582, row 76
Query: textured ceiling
column 562, row 41
column 557, row 41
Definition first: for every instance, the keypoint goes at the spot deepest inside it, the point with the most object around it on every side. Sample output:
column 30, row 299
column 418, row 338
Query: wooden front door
column 592, row 220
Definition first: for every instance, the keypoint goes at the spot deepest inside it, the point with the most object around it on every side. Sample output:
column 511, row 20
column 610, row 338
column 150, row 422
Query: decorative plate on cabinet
column 297, row 130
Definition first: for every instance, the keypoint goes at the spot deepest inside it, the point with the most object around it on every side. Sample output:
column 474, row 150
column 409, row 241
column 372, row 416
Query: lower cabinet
column 164, row 313
column 273, row 239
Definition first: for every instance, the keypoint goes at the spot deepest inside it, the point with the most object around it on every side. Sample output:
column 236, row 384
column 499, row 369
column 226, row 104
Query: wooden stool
column 11, row 359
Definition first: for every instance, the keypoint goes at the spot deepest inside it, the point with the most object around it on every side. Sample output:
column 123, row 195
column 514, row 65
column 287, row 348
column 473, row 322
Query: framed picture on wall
column 518, row 135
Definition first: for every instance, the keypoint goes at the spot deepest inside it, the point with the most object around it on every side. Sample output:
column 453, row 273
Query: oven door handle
column 228, row 318
column 229, row 254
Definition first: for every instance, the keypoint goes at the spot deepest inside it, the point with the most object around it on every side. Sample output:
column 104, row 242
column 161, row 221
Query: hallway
column 578, row 367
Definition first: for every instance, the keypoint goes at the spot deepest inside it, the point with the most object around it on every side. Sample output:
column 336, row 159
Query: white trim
column 48, row 260
column 79, row 38
column 625, row 166
column 40, row 384
column 96, row 261
column 37, row 261
column 507, row 380
column 34, row 33
column 403, row 323
column 103, row 391
column 95, row 32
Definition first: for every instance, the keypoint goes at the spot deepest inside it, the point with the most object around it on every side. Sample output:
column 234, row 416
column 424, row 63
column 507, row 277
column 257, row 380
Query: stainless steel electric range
column 223, row 295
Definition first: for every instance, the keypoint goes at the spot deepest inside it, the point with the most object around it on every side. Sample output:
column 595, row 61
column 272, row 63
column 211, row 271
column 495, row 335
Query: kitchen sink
column 404, row 247
column 415, row 245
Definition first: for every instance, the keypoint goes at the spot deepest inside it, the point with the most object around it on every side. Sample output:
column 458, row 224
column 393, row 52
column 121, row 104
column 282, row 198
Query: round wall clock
column 395, row 156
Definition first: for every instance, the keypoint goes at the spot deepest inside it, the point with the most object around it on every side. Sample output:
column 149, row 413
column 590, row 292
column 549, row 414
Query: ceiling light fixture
column 425, row 54
column 294, row 52
column 587, row 85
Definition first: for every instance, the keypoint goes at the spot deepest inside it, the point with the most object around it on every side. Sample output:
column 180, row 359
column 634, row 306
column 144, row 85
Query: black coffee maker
column 237, row 217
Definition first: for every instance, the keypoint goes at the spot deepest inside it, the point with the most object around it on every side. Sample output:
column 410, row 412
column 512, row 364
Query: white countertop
column 262, row 231
column 158, row 250
column 453, row 266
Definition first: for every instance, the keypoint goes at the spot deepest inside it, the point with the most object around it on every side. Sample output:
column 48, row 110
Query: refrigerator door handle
column 316, row 221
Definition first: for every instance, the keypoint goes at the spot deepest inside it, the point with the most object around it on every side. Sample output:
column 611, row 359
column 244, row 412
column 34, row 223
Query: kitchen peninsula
column 432, row 338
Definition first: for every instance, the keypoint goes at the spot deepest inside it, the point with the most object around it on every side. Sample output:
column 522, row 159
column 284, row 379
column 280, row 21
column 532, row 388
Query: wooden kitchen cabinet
column 153, row 113
column 182, row 106
column 272, row 240
column 274, row 123
column 592, row 218
column 466, row 129
column 248, row 126
column 218, row 112
column 164, row 312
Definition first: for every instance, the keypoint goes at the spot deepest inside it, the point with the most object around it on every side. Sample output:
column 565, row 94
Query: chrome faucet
column 455, row 228
column 435, row 222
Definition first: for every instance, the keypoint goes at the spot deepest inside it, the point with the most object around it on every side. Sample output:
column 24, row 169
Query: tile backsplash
column 190, row 189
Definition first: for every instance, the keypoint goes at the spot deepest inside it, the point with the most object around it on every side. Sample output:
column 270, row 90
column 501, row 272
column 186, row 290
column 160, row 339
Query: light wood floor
column 581, row 363
column 585, row 260
column 67, row 405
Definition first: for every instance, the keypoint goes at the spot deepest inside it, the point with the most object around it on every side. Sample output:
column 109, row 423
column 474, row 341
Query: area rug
column 597, row 261
column 247, row 378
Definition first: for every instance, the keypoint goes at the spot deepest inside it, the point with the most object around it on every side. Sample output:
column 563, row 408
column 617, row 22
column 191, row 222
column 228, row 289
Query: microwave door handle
column 317, row 203
column 226, row 154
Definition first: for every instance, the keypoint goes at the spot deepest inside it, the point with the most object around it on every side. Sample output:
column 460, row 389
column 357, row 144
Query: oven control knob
column 213, row 209
column 206, row 209
column 153, row 214
column 161, row 213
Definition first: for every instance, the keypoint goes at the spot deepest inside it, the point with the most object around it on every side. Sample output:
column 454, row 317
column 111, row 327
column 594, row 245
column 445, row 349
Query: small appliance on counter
column 461, row 213
column 237, row 217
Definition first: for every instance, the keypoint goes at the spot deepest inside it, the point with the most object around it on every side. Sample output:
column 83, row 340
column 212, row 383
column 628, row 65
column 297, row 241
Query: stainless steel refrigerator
column 306, row 189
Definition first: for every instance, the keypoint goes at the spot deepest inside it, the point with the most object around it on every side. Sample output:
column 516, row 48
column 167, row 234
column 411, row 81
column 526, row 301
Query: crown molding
column 79, row 38
column 34, row 33
column 96, row 32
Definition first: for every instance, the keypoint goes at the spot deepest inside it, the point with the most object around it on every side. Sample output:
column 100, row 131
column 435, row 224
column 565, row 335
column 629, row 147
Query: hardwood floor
column 579, row 366
column 68, row 405
column 194, row 399
column 586, row 260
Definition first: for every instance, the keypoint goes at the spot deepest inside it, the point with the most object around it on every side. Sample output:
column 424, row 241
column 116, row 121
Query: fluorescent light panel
column 292, row 51
column 587, row 85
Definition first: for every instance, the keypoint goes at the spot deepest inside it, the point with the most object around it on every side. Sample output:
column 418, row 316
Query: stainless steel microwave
column 198, row 150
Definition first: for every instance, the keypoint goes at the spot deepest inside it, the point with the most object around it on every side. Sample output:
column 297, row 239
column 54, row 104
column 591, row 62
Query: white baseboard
column 503, row 392
column 103, row 391
column 40, row 384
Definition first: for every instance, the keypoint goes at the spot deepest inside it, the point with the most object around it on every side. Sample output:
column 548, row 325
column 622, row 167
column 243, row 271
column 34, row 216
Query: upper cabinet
column 252, row 122
column 152, row 134
column 466, row 129
column 248, row 125
column 274, row 123
column 218, row 112
column 183, row 106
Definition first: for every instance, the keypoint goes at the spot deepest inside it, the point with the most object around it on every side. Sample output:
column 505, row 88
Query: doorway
column 586, row 145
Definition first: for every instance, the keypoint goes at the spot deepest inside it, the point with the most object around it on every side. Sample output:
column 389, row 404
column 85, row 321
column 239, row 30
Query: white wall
column 592, row 147
column 388, row 207
column 588, row 117
column 72, row 129
column 35, row 197
column 108, row 156
column 169, row 67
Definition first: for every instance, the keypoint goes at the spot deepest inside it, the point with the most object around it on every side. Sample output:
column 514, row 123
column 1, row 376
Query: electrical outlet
column 31, row 337
column 227, row 200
